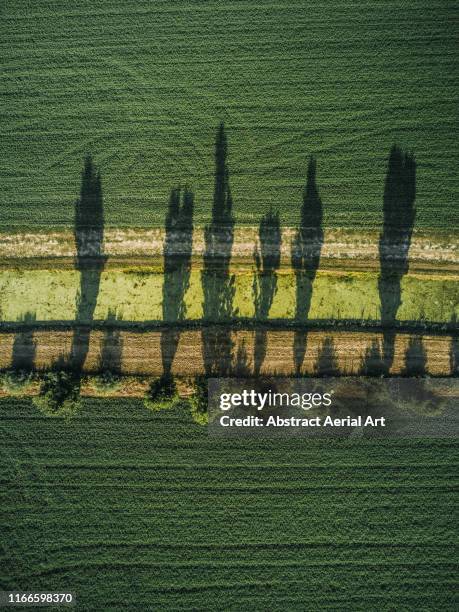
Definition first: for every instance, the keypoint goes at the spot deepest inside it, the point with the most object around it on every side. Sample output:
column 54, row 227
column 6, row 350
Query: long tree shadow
column 415, row 358
column 454, row 351
column 394, row 243
column 178, row 246
column 373, row 361
column 22, row 366
column 306, row 251
column 111, row 351
column 60, row 388
column 90, row 259
column 265, row 280
column 327, row 362
column 241, row 365
column 217, row 282
column 24, row 347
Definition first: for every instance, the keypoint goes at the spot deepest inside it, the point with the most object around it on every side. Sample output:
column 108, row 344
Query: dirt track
column 135, row 247
column 141, row 352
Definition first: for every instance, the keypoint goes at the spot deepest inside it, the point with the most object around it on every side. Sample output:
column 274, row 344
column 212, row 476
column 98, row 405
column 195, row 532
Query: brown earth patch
column 141, row 352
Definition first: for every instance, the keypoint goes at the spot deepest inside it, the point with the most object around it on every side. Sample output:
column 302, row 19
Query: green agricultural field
column 138, row 510
column 143, row 85
column 137, row 296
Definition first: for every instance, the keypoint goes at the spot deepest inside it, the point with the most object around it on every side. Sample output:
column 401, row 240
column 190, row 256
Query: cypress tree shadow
column 454, row 357
column 217, row 282
column 394, row 243
column 415, row 358
column 89, row 219
column 21, row 372
column 178, row 246
column 60, row 388
column 327, row 363
column 259, row 350
column 241, row 367
column 111, row 350
column 306, row 251
column 454, row 354
column 24, row 347
column 90, row 259
column 217, row 347
column 265, row 280
column 373, row 362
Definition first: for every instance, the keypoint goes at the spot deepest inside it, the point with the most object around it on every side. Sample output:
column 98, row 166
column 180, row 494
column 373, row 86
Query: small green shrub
column 107, row 382
column 162, row 393
column 198, row 401
column 59, row 394
column 16, row 382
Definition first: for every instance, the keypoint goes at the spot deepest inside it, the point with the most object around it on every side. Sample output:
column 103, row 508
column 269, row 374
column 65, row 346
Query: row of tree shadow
column 218, row 284
column 110, row 369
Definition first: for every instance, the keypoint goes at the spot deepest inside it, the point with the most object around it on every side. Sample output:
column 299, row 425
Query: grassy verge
column 52, row 295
